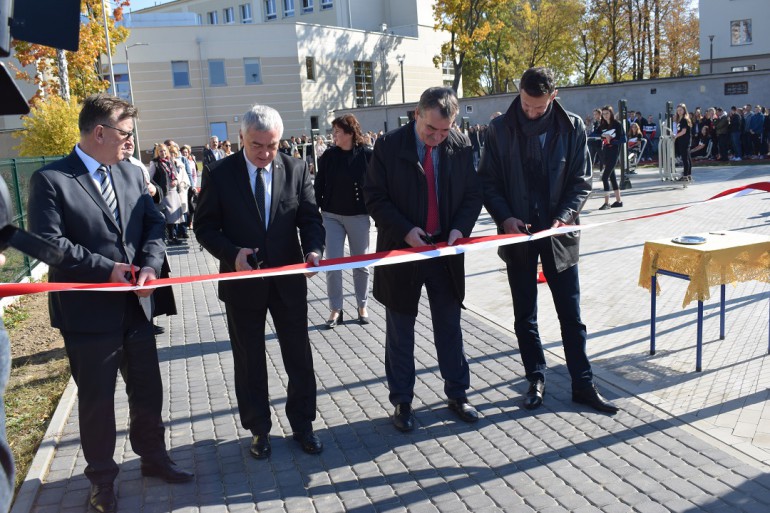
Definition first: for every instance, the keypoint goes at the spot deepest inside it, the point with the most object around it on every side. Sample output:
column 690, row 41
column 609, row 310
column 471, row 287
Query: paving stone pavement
column 680, row 443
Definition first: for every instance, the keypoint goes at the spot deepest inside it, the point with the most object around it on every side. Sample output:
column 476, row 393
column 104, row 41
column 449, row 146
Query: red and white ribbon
column 367, row 260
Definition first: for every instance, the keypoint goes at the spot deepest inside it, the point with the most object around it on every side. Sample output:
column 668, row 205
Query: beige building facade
column 732, row 35
column 190, row 81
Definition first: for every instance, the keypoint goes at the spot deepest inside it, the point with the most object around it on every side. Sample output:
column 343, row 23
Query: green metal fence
column 16, row 173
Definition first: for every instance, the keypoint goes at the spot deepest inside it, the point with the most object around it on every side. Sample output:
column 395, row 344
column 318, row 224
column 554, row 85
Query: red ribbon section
column 351, row 262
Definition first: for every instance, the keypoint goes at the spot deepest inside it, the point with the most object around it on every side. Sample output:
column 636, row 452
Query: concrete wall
column 697, row 91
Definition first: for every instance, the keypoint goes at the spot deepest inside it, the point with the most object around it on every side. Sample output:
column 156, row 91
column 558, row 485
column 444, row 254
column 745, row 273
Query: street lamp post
column 400, row 59
column 711, row 55
column 131, row 95
column 109, row 51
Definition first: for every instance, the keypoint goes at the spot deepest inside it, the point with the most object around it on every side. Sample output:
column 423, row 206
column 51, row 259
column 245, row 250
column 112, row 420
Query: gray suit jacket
column 67, row 208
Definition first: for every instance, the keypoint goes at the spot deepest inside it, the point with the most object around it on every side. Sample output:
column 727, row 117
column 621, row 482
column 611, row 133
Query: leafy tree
column 467, row 24
column 84, row 66
column 50, row 129
column 591, row 49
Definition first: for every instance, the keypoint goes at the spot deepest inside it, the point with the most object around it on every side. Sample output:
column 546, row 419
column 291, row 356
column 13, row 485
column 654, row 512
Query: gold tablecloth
column 725, row 257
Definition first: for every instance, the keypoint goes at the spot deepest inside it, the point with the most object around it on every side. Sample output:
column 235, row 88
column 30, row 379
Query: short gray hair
column 442, row 98
column 263, row 119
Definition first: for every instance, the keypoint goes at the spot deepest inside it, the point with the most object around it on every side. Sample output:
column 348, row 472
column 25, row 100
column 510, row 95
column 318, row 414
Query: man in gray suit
column 96, row 209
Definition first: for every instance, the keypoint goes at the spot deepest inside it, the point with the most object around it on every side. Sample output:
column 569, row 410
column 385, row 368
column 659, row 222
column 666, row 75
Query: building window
column 270, row 12
column 252, row 71
column 740, row 32
column 749, row 67
column 326, row 4
column 228, row 15
column 307, row 6
column 213, row 17
column 448, row 73
column 180, row 72
column 198, row 19
column 310, row 67
column 288, row 8
column 246, row 13
column 364, row 75
column 217, row 75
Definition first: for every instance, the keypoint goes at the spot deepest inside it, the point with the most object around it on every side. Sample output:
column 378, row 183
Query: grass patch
column 30, row 401
column 13, row 315
column 39, row 374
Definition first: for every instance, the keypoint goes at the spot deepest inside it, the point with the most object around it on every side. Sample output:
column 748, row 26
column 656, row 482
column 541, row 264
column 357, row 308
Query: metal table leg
column 652, row 313
column 699, row 350
column 722, row 314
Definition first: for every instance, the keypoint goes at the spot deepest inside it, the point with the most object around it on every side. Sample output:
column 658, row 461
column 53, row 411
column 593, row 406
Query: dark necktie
column 259, row 194
column 108, row 193
column 432, row 223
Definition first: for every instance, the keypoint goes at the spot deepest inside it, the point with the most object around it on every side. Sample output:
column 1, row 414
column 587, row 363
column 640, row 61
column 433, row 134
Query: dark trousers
column 682, row 149
column 247, row 338
column 723, row 141
column 447, row 336
column 565, row 290
column 610, row 158
column 735, row 138
column 95, row 359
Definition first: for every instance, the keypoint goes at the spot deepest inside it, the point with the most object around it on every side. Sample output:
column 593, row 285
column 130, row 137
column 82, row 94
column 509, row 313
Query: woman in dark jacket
column 338, row 184
column 683, row 140
column 612, row 137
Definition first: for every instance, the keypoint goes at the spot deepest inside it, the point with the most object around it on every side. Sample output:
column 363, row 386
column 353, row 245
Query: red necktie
column 432, row 223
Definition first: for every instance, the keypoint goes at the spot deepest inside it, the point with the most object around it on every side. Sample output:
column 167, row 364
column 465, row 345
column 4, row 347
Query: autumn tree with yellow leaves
column 492, row 42
column 51, row 126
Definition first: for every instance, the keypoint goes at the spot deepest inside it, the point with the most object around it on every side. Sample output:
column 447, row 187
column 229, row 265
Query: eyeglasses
column 227, row 145
column 126, row 135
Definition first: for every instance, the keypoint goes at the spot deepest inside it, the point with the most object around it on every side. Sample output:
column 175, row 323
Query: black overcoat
column 396, row 198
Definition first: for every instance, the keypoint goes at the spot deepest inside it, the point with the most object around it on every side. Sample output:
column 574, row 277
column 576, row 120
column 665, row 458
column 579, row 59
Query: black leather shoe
column 332, row 323
column 102, row 498
column 403, row 418
column 534, row 397
column 363, row 319
column 260, row 447
column 591, row 397
column 166, row 470
column 464, row 410
column 309, row 441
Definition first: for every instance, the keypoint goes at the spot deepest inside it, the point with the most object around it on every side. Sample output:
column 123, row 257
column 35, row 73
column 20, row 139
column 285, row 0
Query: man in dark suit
column 96, row 208
column 212, row 153
column 536, row 175
column 421, row 187
column 251, row 205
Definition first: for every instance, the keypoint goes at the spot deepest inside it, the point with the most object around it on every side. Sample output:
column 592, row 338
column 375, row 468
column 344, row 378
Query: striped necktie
column 108, row 193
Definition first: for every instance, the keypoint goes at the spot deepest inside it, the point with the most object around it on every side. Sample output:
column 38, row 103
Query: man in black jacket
column 421, row 187
column 536, row 175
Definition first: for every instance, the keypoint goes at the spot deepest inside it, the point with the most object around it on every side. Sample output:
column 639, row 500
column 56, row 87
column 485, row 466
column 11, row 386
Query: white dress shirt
column 267, row 177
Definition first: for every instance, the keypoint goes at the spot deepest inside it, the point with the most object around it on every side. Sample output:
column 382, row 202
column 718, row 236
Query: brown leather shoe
column 102, row 498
